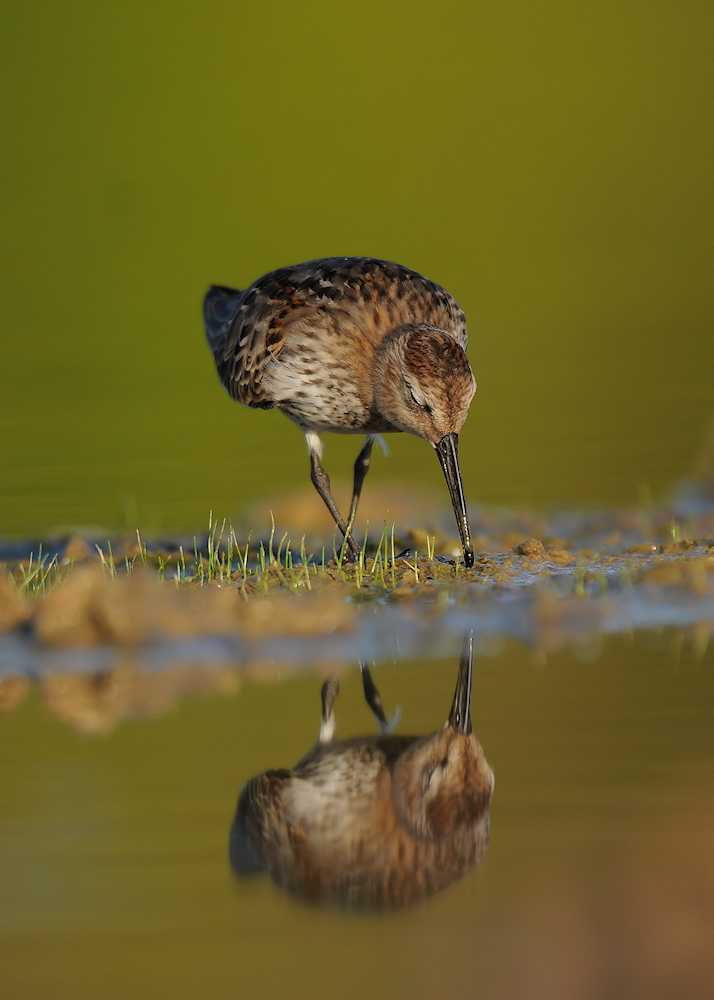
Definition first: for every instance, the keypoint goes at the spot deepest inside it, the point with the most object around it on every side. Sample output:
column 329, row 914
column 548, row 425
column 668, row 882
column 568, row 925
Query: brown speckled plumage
column 350, row 345
column 371, row 822
column 322, row 307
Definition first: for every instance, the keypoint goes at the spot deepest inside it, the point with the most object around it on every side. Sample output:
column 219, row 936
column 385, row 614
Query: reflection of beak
column 448, row 451
column 460, row 715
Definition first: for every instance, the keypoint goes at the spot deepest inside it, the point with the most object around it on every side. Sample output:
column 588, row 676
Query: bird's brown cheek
column 443, row 813
column 429, row 427
column 452, row 810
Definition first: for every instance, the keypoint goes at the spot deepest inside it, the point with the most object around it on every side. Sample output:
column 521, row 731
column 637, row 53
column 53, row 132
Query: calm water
column 551, row 168
column 598, row 881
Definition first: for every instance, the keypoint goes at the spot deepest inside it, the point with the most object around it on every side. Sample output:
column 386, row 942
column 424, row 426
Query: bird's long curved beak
column 448, row 451
column 460, row 715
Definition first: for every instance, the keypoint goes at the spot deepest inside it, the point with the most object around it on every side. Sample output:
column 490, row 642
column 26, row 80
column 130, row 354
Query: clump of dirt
column 95, row 703
column 13, row 691
column 91, row 608
column 14, row 606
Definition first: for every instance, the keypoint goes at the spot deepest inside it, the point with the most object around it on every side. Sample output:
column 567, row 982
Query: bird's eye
column 419, row 401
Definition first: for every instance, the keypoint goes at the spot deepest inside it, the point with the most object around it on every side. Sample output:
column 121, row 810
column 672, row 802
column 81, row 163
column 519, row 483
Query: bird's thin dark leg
column 321, row 482
column 372, row 696
column 361, row 469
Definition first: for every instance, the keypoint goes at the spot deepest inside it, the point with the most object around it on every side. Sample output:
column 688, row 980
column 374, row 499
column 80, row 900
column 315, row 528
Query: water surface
column 598, row 881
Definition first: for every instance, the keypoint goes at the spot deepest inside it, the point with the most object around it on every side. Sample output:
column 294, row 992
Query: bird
column 376, row 822
column 353, row 345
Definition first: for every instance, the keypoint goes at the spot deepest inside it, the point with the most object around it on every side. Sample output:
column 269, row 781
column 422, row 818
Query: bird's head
column 443, row 784
column 425, row 384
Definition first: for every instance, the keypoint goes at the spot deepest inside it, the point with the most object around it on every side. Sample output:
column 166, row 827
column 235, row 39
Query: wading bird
column 373, row 822
column 352, row 345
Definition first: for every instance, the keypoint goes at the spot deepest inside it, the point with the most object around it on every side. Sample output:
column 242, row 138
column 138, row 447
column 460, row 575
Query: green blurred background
column 549, row 164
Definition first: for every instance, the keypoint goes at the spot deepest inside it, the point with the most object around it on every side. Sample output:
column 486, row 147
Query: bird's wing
column 258, row 821
column 342, row 296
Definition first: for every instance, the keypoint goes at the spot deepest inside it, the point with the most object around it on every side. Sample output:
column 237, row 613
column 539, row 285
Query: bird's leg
column 361, row 470
column 374, row 700
column 372, row 695
column 330, row 690
column 321, row 482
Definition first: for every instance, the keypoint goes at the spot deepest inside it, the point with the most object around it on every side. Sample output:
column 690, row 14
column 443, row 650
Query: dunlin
column 352, row 345
column 373, row 822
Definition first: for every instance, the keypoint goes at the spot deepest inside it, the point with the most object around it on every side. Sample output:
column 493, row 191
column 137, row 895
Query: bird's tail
column 220, row 307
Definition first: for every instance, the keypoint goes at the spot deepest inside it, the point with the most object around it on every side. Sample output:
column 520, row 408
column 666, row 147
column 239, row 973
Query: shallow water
column 598, row 881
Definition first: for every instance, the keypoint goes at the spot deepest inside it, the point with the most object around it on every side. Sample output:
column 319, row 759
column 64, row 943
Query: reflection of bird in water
column 371, row 822
column 351, row 345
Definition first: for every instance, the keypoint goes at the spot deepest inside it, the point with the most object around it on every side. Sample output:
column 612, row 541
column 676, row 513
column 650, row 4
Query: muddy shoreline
column 125, row 627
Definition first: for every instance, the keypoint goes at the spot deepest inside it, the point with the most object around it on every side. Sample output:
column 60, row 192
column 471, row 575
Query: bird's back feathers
column 349, row 298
